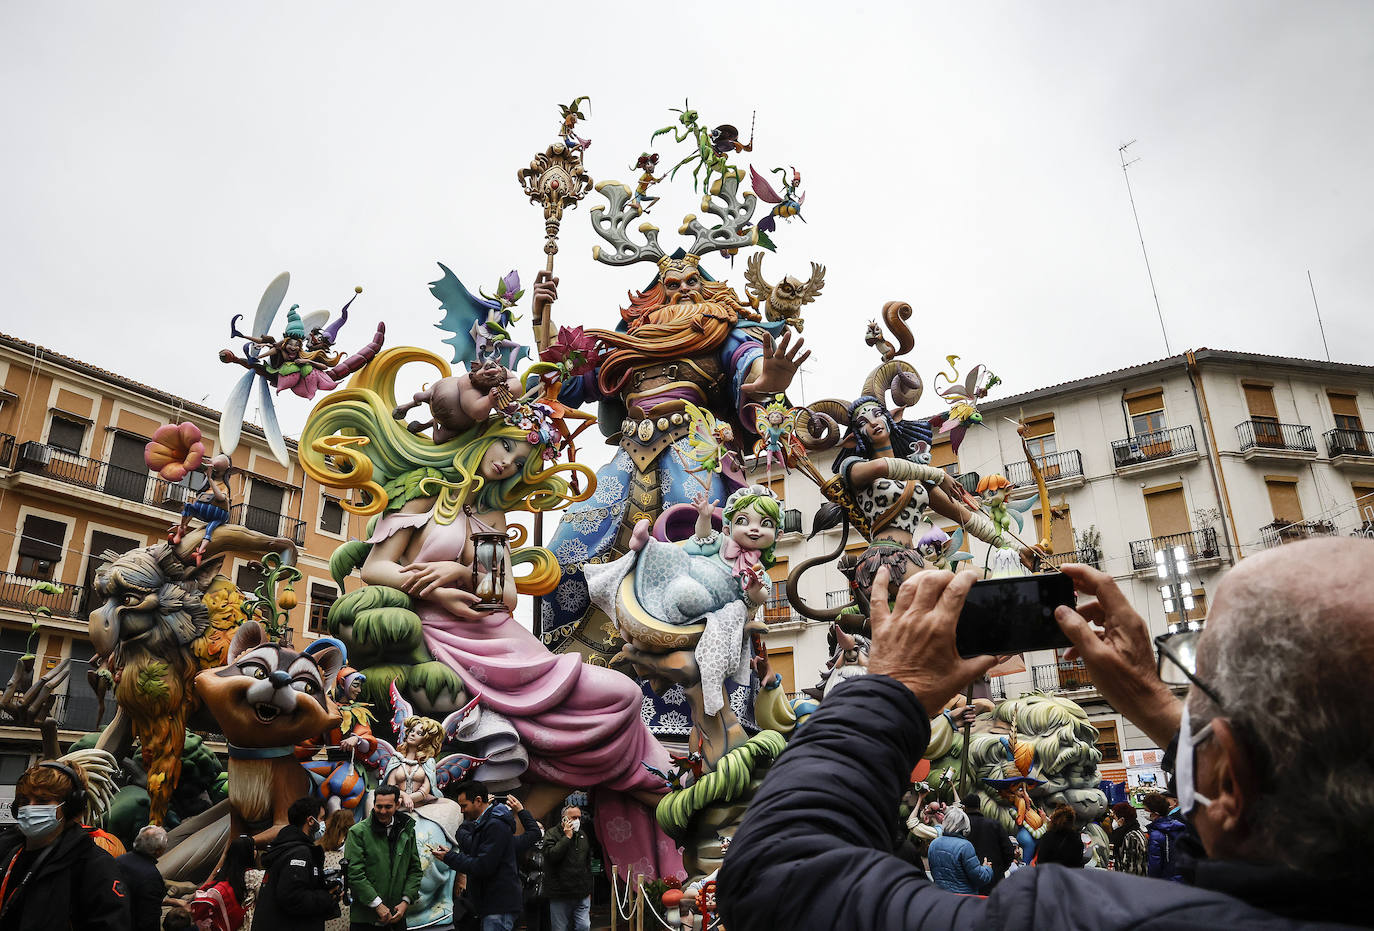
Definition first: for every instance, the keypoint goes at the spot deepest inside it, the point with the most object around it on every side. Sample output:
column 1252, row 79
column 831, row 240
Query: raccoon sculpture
column 266, row 699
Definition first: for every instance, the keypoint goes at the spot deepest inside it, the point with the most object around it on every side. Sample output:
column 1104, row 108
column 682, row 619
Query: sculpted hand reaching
column 778, row 365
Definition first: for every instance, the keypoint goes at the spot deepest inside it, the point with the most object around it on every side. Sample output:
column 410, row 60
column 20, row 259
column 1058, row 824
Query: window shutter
column 1260, row 401
column 1040, row 426
column 1343, row 405
column 42, row 538
column 1146, row 403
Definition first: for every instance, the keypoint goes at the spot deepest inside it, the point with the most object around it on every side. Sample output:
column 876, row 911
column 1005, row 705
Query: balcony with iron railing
column 1148, row 450
column 1280, row 532
column 839, row 598
column 1088, row 557
column 1200, row 546
column 1063, row 468
column 1350, row 447
column 269, row 522
column 1273, row 440
column 997, row 688
column 16, row 591
column 1062, row 677
column 97, row 475
column 779, row 614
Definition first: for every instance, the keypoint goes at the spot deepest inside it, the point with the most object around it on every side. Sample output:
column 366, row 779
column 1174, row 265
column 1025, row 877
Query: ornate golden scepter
column 556, row 181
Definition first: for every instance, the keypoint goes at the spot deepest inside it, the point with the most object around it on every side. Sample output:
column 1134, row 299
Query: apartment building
column 1191, row 462
column 73, row 485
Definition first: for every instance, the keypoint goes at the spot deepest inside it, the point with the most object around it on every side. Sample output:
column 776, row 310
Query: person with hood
column 55, row 877
column 293, row 896
column 383, row 863
column 1129, row 842
column 487, row 857
column 1166, row 833
column 953, row 864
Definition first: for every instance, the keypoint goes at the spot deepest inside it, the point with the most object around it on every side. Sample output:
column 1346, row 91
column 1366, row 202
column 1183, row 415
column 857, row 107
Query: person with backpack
column 222, row 903
column 1166, row 832
column 293, row 896
column 1129, row 842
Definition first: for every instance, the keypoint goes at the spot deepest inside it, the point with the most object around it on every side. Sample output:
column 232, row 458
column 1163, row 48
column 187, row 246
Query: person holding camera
column 383, row 863
column 55, row 877
column 294, row 895
column 1270, row 750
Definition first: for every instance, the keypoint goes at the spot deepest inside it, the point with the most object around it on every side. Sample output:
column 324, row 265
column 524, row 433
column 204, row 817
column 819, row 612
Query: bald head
column 1289, row 651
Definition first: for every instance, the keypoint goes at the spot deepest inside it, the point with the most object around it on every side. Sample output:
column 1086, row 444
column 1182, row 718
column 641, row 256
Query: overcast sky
column 163, row 161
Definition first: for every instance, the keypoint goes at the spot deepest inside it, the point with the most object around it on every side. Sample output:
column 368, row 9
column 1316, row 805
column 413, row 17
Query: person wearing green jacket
column 383, row 864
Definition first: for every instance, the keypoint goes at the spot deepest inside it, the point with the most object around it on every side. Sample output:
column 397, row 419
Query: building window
column 1259, row 400
column 1107, row 741
column 264, row 511
column 40, row 548
column 1040, row 436
column 249, row 577
column 322, row 597
column 1147, row 412
column 1283, row 498
column 1167, row 510
column 331, row 516
column 1346, row 413
column 66, row 434
column 1061, row 525
column 942, row 455
column 780, row 661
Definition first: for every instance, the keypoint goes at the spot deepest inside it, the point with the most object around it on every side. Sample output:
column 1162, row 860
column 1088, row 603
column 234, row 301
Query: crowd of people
column 321, row 872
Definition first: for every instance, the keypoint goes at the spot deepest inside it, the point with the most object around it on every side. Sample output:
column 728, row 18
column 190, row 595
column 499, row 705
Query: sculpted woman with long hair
column 579, row 724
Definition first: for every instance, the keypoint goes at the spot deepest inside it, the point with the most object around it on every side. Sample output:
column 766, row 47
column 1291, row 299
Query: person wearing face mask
column 568, row 873
column 1270, row 751
column 293, row 896
column 54, row 876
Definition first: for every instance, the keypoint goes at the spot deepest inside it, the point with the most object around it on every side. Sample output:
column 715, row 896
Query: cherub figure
column 717, row 579
column 413, row 766
column 994, row 493
column 712, row 444
column 571, row 113
column 646, row 164
column 777, row 427
column 940, row 550
column 211, row 504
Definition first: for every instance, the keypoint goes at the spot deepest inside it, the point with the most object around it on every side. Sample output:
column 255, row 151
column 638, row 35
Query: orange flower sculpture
column 175, row 450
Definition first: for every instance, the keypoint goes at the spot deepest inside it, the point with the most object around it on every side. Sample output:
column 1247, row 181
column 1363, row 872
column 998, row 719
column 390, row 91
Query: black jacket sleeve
column 813, row 851
column 299, row 892
column 533, row 833
column 101, row 901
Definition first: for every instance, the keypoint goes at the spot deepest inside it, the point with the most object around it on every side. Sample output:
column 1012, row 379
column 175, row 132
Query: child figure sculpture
column 717, row 578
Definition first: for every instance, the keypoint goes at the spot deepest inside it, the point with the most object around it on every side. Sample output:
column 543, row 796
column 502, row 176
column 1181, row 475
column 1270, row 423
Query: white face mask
column 576, row 824
column 37, row 820
column 319, row 829
column 1186, row 762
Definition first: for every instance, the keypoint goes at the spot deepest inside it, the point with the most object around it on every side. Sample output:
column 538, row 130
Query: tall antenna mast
column 1313, row 289
column 1124, row 165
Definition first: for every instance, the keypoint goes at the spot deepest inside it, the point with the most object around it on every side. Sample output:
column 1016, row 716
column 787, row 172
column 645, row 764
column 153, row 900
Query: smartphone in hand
column 1013, row 615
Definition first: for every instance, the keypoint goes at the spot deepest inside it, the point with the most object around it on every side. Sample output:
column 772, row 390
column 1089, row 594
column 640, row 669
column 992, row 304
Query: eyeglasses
column 1177, row 662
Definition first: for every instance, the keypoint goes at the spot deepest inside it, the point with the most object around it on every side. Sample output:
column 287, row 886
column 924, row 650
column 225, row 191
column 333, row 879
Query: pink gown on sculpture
column 581, row 724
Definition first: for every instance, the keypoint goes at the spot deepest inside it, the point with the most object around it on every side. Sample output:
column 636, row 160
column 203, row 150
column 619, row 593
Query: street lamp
column 1172, row 568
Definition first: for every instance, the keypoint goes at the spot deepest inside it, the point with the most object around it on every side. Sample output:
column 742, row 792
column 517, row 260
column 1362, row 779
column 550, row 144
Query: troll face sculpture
column 154, row 629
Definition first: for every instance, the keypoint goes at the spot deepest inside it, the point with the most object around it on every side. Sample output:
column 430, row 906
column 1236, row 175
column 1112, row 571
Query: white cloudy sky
column 163, row 161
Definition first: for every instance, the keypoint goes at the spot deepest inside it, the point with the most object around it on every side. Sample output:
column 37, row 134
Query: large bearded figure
column 684, row 340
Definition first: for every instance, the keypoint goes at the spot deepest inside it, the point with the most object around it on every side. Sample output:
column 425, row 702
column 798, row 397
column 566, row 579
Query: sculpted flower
column 574, row 350
column 174, row 451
